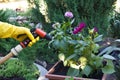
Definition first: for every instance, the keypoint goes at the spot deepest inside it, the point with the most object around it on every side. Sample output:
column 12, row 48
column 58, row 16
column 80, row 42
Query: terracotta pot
column 57, row 73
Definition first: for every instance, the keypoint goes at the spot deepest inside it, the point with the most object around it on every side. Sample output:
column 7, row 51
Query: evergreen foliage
column 17, row 68
column 6, row 45
column 39, row 51
column 36, row 16
column 34, row 11
column 114, row 27
column 5, row 14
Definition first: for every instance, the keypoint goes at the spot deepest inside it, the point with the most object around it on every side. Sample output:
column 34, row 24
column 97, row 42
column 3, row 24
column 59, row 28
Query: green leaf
column 99, row 38
column 73, row 65
column 108, row 50
column 98, row 61
column 109, row 68
column 73, row 72
column 61, row 56
column 60, row 44
column 56, row 43
column 82, row 43
column 71, row 56
column 65, row 25
column 73, row 42
column 72, row 21
column 95, row 48
column 87, row 70
column 116, row 49
column 65, row 63
column 106, row 56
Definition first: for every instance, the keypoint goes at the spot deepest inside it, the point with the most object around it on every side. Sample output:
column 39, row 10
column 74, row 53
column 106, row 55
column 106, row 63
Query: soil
column 49, row 66
column 60, row 69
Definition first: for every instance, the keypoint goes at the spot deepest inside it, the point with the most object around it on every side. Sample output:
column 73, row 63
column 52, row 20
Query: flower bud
column 56, row 25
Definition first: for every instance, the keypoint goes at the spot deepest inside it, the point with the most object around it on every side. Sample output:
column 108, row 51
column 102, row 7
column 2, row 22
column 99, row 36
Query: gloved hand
column 18, row 33
column 21, row 33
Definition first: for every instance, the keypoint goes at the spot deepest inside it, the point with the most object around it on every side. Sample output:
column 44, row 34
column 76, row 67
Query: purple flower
column 95, row 29
column 69, row 14
column 79, row 28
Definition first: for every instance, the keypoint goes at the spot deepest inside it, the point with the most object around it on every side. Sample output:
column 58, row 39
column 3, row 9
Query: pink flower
column 69, row 14
column 79, row 28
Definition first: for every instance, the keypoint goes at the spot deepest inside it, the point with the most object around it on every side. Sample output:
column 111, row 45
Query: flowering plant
column 77, row 50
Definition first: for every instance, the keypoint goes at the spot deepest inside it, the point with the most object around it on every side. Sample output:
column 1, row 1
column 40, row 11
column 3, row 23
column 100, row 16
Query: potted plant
column 15, row 69
column 79, row 50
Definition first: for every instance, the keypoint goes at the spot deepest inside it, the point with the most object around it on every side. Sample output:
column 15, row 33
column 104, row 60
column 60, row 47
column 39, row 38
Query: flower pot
column 58, row 72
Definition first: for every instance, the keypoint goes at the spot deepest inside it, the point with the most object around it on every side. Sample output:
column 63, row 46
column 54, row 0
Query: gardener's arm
column 12, row 31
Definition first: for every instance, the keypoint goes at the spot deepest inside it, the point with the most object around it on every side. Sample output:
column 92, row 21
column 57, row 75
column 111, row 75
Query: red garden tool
column 37, row 32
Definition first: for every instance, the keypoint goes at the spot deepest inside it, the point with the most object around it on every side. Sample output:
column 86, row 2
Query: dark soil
column 49, row 66
column 60, row 69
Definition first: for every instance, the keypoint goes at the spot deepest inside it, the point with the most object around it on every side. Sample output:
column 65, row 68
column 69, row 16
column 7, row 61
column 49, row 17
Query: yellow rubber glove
column 18, row 33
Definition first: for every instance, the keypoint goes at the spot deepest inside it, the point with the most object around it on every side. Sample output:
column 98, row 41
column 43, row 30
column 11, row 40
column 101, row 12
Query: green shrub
column 46, row 54
column 114, row 27
column 6, row 45
column 17, row 68
column 5, row 14
column 40, row 51
column 34, row 12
